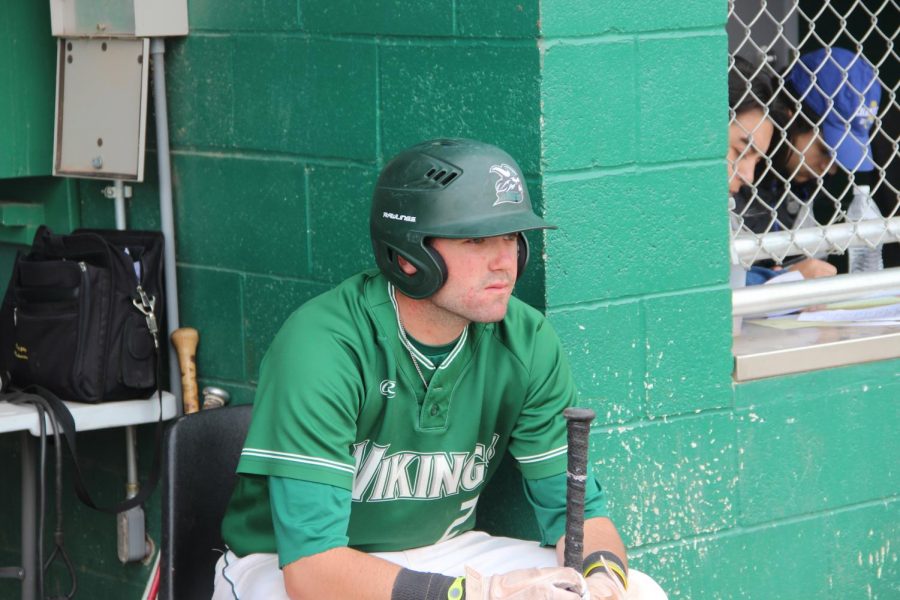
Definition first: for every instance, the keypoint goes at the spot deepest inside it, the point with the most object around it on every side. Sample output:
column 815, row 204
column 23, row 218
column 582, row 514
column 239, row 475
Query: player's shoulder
column 522, row 316
column 340, row 310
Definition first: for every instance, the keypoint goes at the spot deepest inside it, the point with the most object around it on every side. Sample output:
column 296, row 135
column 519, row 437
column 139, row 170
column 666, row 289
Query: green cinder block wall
column 282, row 115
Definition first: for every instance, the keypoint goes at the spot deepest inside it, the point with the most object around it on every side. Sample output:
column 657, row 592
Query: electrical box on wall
column 101, row 108
column 118, row 18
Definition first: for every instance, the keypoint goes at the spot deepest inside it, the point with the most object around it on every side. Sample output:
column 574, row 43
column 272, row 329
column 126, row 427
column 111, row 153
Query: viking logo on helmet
column 509, row 186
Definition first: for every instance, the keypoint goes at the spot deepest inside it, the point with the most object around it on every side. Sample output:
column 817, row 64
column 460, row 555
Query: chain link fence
column 814, row 120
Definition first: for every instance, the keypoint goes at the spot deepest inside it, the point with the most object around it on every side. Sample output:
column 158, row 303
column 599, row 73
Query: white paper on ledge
column 784, row 277
column 891, row 312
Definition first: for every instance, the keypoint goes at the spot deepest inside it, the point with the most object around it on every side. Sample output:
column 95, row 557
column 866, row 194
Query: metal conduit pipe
column 759, row 299
column 750, row 247
column 166, row 214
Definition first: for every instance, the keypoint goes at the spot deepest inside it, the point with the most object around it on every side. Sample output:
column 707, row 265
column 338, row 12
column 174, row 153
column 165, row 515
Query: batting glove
column 605, row 587
column 553, row 583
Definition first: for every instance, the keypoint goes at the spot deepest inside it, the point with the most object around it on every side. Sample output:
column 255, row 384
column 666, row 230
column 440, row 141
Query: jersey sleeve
column 538, row 440
column 306, row 407
column 547, row 497
column 309, row 518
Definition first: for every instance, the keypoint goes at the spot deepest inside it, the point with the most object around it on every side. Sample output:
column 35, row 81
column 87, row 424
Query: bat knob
column 574, row 413
column 215, row 397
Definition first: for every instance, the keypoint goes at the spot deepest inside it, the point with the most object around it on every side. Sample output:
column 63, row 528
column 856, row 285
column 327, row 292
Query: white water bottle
column 863, row 259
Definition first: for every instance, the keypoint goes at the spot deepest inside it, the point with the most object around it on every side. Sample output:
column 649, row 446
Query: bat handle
column 578, row 425
column 185, row 340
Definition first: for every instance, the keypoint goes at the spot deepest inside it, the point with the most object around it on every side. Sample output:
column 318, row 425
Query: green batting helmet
column 447, row 188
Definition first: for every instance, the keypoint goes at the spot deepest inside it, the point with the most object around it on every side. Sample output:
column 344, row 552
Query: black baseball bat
column 578, row 424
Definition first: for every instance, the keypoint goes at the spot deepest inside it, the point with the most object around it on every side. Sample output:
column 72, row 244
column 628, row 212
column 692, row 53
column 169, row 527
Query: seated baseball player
column 385, row 406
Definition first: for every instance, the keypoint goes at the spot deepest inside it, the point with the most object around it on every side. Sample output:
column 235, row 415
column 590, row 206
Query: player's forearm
column 340, row 573
column 599, row 534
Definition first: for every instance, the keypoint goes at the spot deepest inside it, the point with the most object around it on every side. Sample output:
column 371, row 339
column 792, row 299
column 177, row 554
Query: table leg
column 30, row 560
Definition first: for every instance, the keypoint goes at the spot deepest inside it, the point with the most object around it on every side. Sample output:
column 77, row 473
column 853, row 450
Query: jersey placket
column 434, row 413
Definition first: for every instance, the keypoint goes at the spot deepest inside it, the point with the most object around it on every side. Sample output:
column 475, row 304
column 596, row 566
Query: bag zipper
column 85, row 302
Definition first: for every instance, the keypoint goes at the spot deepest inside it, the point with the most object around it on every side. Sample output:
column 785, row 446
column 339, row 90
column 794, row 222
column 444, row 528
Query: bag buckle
column 146, row 304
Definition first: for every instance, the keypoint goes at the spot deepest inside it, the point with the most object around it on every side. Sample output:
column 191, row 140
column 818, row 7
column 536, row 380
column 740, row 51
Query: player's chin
column 491, row 312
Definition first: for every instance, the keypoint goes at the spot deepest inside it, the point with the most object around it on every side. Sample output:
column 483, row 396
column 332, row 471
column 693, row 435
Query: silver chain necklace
column 405, row 339
column 412, row 356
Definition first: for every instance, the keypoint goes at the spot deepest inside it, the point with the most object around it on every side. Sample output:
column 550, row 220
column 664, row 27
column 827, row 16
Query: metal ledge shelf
column 766, row 352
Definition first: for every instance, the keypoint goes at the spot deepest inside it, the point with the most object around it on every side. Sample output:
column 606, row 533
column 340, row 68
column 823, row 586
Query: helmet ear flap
column 522, row 256
column 430, row 275
column 441, row 266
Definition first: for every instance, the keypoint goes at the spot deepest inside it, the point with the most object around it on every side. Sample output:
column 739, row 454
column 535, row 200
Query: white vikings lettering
column 446, row 478
column 411, row 475
column 365, row 471
column 509, row 186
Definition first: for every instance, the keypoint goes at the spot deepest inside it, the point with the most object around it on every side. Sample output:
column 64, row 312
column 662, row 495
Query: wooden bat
column 185, row 340
column 578, row 425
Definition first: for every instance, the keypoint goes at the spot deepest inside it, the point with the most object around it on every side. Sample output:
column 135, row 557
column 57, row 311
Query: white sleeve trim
column 544, row 455
column 298, row 458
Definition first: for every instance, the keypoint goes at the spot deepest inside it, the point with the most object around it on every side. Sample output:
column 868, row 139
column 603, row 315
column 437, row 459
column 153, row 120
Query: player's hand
column 552, row 583
column 605, row 587
column 812, row 268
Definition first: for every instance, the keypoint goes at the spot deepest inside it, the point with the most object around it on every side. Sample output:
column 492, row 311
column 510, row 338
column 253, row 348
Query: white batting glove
column 604, row 586
column 552, row 583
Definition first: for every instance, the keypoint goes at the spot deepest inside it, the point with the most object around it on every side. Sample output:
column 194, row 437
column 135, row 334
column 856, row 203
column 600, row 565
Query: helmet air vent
column 441, row 176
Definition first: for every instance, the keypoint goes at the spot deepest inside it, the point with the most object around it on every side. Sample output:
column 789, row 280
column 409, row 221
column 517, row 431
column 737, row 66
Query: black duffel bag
column 80, row 315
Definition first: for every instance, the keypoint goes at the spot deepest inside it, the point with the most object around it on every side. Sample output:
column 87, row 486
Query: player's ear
column 406, row 266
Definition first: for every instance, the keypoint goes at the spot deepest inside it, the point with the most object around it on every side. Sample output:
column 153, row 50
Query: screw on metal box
column 215, row 397
column 97, row 162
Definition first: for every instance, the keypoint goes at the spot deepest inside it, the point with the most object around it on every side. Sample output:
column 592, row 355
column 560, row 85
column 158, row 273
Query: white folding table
column 23, row 418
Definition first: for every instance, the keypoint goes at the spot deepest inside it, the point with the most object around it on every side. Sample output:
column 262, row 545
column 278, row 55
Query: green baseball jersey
column 340, row 402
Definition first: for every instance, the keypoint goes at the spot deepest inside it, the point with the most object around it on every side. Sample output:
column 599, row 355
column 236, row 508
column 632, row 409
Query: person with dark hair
column 828, row 107
column 800, row 155
column 750, row 130
column 385, row 406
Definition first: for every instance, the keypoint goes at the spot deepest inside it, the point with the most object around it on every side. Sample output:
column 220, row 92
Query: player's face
column 749, row 137
column 809, row 158
column 481, row 273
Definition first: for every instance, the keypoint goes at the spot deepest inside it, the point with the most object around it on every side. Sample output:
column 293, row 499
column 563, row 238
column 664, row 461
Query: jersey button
column 434, row 409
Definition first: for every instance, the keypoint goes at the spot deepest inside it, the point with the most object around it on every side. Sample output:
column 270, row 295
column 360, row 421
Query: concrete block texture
column 606, row 350
column 275, row 93
column 300, row 96
column 595, row 17
column 850, row 553
column 635, row 232
column 429, row 18
column 244, row 214
column 236, row 15
column 476, row 90
column 498, row 18
column 668, row 480
column 688, row 352
column 200, row 82
column 210, row 301
column 590, row 106
column 808, row 452
column 339, row 200
column 683, row 113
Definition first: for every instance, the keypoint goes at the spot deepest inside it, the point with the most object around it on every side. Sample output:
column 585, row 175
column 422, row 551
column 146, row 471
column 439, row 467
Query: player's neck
column 427, row 323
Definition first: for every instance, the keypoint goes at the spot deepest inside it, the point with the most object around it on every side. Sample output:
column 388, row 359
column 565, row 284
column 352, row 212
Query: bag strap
column 67, row 423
